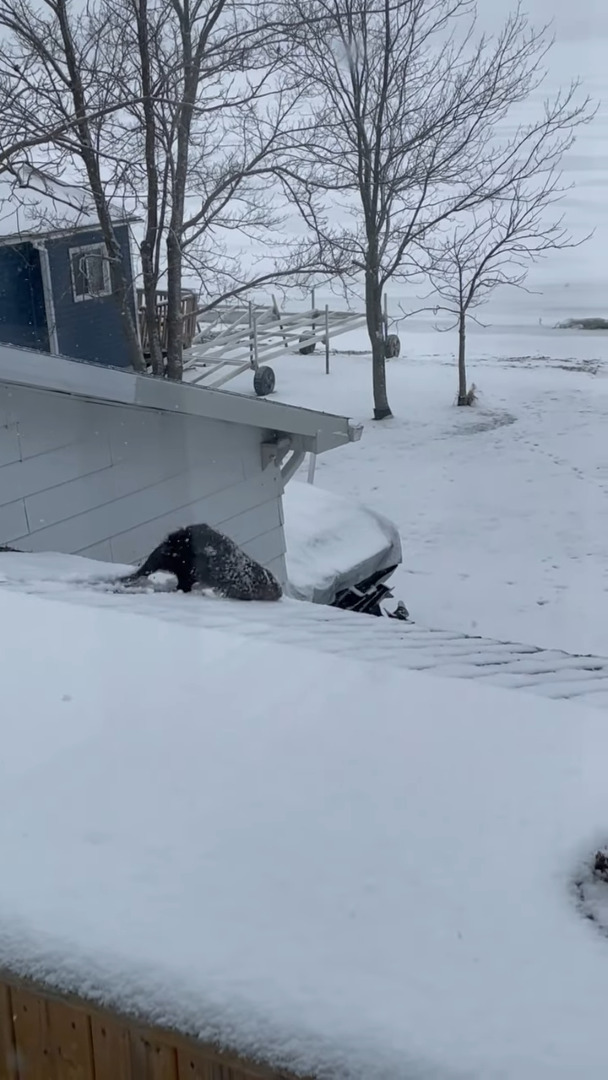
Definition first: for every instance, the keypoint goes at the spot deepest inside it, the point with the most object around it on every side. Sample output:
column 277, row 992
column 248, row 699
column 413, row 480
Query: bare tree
column 148, row 30
column 495, row 245
column 182, row 111
column 59, row 86
column 197, row 149
column 174, row 109
column 19, row 139
column 406, row 102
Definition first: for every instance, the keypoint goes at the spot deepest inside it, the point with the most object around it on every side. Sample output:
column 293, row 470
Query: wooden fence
column 189, row 306
column 47, row 1036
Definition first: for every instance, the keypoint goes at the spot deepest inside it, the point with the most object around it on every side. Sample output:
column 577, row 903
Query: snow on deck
column 292, row 854
column 550, row 673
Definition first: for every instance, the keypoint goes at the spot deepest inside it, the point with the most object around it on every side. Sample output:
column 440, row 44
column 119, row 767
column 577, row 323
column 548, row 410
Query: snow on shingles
column 286, row 853
column 410, row 646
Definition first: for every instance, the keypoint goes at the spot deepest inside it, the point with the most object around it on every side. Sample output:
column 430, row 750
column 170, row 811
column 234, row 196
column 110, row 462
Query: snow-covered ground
column 410, row 646
column 503, row 508
column 344, row 868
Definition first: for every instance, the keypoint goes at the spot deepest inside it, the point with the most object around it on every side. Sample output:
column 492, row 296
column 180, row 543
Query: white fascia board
column 318, row 431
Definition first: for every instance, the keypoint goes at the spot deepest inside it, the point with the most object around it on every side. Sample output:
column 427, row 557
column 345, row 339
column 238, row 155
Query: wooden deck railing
column 189, row 306
column 48, row 1036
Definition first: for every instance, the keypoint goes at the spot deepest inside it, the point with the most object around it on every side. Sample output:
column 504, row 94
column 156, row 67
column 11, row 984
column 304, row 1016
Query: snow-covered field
column 503, row 508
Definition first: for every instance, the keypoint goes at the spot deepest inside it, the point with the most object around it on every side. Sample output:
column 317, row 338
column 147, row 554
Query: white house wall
column 110, row 481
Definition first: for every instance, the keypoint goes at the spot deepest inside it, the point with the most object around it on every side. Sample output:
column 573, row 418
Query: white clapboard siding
column 172, row 500
column 52, row 470
column 9, row 444
column 110, row 481
column 214, row 509
column 102, row 551
column 265, row 547
column 247, row 526
column 34, row 412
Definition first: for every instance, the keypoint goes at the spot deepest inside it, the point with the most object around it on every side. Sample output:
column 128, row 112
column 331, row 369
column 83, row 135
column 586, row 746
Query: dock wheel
column 306, row 349
column 264, row 381
column 392, row 346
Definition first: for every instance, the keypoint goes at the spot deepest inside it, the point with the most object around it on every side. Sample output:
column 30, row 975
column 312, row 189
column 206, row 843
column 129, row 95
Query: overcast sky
column 574, row 19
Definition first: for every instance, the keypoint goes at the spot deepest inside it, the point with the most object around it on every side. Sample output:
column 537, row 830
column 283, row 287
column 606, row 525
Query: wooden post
column 278, row 315
column 327, row 339
column 313, row 310
column 312, row 461
column 251, row 352
column 255, row 341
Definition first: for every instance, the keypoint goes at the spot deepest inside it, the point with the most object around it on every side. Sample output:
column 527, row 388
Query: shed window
column 90, row 272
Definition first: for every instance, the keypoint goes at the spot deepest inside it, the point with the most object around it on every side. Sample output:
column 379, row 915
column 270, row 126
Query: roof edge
column 28, row 236
column 318, row 431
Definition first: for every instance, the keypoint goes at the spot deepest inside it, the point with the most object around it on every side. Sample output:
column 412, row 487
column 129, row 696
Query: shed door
column 22, row 310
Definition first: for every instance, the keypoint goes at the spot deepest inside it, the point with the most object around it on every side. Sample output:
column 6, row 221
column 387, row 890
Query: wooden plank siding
column 71, row 1042
column 110, row 481
column 8, row 1052
column 111, row 1049
column 48, row 1036
column 32, row 1035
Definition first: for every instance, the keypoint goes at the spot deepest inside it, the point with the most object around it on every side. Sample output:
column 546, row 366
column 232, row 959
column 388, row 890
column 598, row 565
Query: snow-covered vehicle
column 339, row 552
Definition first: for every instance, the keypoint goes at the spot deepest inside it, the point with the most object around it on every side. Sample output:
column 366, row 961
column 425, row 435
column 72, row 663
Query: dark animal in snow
column 199, row 555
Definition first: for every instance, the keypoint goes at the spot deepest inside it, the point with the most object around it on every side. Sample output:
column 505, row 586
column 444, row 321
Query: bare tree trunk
column 175, row 323
column 375, row 329
column 463, row 398
column 122, row 291
column 121, row 287
column 148, row 246
column 194, row 38
column 150, row 282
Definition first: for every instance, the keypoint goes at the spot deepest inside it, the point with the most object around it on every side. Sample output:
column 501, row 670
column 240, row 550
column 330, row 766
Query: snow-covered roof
column 338, row 867
column 33, row 204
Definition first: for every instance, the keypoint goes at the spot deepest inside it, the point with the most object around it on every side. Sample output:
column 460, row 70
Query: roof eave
column 317, row 432
column 32, row 235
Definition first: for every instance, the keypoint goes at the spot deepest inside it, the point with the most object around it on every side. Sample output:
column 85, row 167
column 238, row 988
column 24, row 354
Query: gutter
column 314, row 431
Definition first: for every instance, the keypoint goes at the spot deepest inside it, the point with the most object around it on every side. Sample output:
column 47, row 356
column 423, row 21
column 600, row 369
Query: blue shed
column 55, row 288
